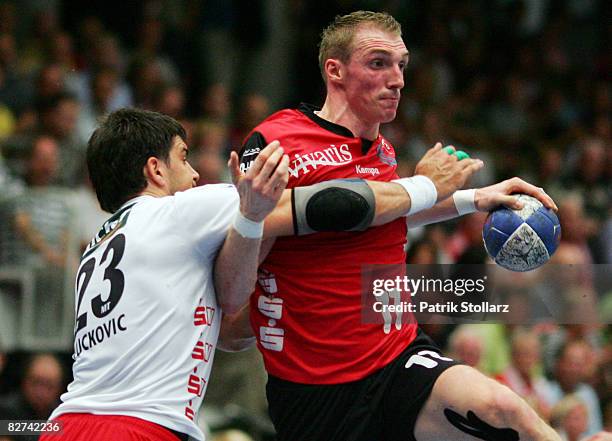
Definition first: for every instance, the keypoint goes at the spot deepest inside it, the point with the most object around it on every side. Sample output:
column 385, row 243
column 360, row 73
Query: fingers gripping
column 517, row 185
column 262, row 185
column 279, row 178
column 262, row 158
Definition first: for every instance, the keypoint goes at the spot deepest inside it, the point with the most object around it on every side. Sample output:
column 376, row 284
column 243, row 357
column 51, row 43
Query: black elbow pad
column 338, row 205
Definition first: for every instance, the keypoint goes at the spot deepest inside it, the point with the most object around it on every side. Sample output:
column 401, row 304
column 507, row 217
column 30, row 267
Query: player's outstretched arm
column 259, row 189
column 481, row 199
column 386, row 202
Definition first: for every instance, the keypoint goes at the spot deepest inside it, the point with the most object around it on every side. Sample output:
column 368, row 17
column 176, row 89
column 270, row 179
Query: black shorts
column 381, row 407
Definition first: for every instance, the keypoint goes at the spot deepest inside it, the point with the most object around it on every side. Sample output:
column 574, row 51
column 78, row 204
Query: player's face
column 180, row 175
column 375, row 74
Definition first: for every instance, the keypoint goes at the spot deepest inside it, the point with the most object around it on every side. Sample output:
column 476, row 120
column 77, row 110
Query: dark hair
column 119, row 149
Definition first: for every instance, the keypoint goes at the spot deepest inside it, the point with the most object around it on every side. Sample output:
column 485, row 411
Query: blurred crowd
column 522, row 84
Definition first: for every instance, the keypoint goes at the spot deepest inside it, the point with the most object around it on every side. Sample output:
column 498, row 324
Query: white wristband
column 464, row 201
column 247, row 228
column 422, row 192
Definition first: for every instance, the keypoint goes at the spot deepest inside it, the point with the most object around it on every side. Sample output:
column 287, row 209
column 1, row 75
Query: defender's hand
column 262, row 185
column 487, row 198
column 446, row 172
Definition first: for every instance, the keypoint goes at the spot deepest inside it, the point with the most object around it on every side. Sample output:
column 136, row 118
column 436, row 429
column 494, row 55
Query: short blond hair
column 337, row 38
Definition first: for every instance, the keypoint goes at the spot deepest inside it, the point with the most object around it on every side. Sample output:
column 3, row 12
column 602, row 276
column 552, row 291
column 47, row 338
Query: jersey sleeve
column 250, row 150
column 205, row 213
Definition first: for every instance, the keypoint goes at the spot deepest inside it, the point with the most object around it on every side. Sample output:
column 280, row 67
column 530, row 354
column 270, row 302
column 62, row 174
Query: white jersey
column 147, row 319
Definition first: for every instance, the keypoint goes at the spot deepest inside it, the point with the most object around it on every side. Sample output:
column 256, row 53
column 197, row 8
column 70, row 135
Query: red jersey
column 306, row 309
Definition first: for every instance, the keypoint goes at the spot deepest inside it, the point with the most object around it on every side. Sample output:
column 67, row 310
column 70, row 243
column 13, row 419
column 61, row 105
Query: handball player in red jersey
column 332, row 377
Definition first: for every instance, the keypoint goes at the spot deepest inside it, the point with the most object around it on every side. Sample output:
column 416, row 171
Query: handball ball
column 521, row 240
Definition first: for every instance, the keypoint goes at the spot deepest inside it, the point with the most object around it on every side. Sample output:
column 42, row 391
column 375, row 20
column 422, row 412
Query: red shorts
column 89, row 427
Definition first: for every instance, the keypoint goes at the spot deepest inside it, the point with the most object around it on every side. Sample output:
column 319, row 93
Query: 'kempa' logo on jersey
column 331, row 156
column 367, row 170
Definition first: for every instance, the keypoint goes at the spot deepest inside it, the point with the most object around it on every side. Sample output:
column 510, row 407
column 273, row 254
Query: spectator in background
column 61, row 52
column 44, row 25
column 10, row 185
column 50, row 82
column 589, row 178
column 43, row 220
column 570, row 418
column 15, row 86
column 58, row 118
column 149, row 47
column 466, row 346
column 467, row 236
column 145, row 79
column 521, row 375
column 576, row 227
column 253, row 109
column 104, row 83
column 102, row 53
column 569, row 377
column 38, row 233
column 170, row 100
column 432, row 127
column 549, row 170
column 39, row 392
column 7, row 120
column 215, row 104
column 209, row 148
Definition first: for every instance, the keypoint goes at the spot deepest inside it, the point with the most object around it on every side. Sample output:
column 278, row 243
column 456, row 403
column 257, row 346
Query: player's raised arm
column 259, row 189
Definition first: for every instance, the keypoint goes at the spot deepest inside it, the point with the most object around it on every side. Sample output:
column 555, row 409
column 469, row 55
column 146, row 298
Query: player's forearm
column 392, row 202
column 236, row 271
column 389, row 202
column 442, row 211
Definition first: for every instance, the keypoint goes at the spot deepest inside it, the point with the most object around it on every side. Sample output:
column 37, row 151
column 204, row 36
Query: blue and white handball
column 521, row 240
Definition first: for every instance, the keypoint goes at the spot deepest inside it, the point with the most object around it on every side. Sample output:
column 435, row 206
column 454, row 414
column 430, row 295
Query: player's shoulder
column 209, row 198
column 219, row 192
column 276, row 124
column 280, row 117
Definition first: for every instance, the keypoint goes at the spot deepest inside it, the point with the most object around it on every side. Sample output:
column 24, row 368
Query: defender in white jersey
column 151, row 283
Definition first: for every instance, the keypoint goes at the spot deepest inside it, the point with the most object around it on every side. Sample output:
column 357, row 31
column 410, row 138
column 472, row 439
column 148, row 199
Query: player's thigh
column 465, row 405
